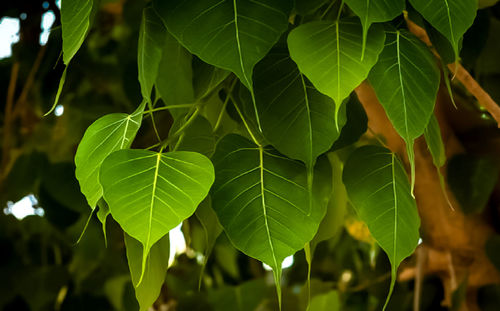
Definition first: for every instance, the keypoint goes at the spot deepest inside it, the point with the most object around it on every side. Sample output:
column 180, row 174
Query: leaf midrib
column 264, row 206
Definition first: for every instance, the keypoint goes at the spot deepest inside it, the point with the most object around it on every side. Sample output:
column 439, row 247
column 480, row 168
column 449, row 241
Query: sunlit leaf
column 325, row 302
column 150, row 193
column 156, row 268
column 378, row 188
column 329, row 54
column 109, row 133
column 451, row 17
column 406, row 80
column 75, row 21
column 375, row 11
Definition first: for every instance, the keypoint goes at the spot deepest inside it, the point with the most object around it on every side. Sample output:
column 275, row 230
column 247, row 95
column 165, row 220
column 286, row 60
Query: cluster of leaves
column 273, row 162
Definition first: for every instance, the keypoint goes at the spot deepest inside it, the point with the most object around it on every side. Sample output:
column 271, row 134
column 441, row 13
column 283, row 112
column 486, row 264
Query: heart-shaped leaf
column 329, row 54
column 231, row 34
column 264, row 202
column 378, row 188
column 150, row 193
column 406, row 80
column 450, row 17
column 107, row 134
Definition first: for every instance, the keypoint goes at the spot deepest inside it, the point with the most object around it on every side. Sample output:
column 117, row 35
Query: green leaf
column 378, row 188
column 435, row 143
column 212, row 228
column 231, row 34
column 375, row 11
column 75, row 22
column 406, row 80
column 450, row 17
column 152, row 37
column 472, row 179
column 245, row 297
column 156, row 267
column 305, row 7
column 174, row 82
column 206, row 78
column 196, row 137
column 107, row 134
column 150, row 193
column 263, row 201
column 325, row 302
column 329, row 54
column 295, row 118
column 333, row 221
column 356, row 124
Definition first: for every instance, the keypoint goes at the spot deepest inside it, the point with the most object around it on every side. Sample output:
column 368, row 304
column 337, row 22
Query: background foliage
column 262, row 111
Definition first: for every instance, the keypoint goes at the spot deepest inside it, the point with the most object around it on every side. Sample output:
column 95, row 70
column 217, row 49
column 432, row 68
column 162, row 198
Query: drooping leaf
column 156, row 268
column 75, row 22
column 196, row 137
column 325, row 302
column 174, row 82
column 150, row 193
column 263, row 202
column 378, row 188
column 472, row 179
column 295, row 118
column 435, row 143
column 406, row 80
column 109, row 133
column 233, row 35
column 333, row 221
column 102, row 214
column 152, row 37
column 375, row 11
column 451, row 18
column 356, row 124
column 212, row 228
column 329, row 54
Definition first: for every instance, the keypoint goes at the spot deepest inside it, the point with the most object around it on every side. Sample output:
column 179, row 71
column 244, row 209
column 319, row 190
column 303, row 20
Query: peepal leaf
column 75, row 21
column 107, row 134
column 375, row 11
column 230, row 34
column 156, row 267
column 378, row 188
column 406, row 80
column 174, row 81
column 296, row 119
column 152, row 36
column 435, row 143
column 263, row 201
column 452, row 18
column 150, row 193
column 329, row 54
